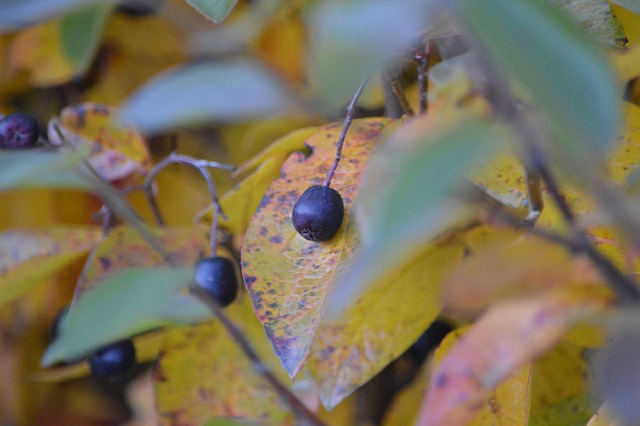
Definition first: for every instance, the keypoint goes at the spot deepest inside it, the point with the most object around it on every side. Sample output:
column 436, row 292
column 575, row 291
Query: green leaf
column 81, row 32
column 38, row 169
column 216, row 10
column 127, row 302
column 203, row 93
column 367, row 33
column 16, row 14
column 405, row 198
column 566, row 76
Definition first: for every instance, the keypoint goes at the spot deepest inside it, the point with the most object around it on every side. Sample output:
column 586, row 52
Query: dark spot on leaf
column 441, row 380
column 276, row 239
column 248, row 279
column 104, row 262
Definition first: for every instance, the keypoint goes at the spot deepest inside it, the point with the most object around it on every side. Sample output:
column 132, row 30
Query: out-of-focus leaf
column 203, row 375
column 16, row 14
column 627, row 63
column 205, row 92
column 125, row 248
column 508, row 267
column 40, row 169
column 241, row 202
column 506, row 338
column 289, row 278
column 381, row 324
column 28, row 257
column 604, row 417
column 557, row 398
column 406, row 197
column 628, row 12
column 216, row 10
column 567, row 77
column 118, row 153
column 56, row 52
column 596, row 18
column 350, row 33
column 126, row 302
column 615, row 372
column 80, row 34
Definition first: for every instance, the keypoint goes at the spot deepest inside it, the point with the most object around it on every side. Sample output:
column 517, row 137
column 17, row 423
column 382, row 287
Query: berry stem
column 345, row 128
column 421, row 59
column 201, row 166
column 302, row 414
column 398, row 92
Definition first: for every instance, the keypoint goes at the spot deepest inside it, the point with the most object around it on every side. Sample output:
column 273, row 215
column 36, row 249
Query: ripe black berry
column 113, row 362
column 18, row 130
column 217, row 276
column 318, row 213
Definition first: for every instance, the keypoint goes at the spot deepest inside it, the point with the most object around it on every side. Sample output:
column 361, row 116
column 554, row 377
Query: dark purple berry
column 318, row 213
column 114, row 361
column 18, row 130
column 217, row 275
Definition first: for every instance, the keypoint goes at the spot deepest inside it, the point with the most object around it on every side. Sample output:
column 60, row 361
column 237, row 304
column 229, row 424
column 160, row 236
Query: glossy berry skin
column 217, row 275
column 114, row 361
column 18, row 130
column 318, row 213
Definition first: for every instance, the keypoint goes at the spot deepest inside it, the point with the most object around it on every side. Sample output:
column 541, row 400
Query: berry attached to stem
column 18, row 130
column 318, row 213
column 217, row 275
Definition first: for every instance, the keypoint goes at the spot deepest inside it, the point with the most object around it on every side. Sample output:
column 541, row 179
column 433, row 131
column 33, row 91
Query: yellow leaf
column 27, row 257
column 289, row 278
column 381, row 325
column 38, row 50
column 630, row 22
column 203, row 375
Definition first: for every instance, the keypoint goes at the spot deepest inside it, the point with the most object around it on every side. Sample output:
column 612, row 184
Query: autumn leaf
column 501, row 342
column 289, row 278
column 381, row 324
column 202, row 375
column 29, row 256
column 118, row 153
column 124, row 248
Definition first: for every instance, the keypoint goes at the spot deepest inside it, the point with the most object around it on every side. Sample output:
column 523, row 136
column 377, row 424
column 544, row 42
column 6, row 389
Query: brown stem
column 201, row 166
column 345, row 128
column 302, row 414
column 421, row 59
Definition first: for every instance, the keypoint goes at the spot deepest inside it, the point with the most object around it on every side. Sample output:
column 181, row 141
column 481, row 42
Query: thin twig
column 398, row 92
column 345, row 128
column 201, row 166
column 624, row 286
column 115, row 202
column 302, row 414
column 421, row 59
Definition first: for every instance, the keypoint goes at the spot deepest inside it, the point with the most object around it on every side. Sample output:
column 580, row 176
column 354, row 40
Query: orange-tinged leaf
column 124, row 248
column 505, row 339
column 39, row 51
column 118, row 153
column 289, row 278
column 202, row 374
column 28, row 257
column 381, row 325
column 511, row 267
